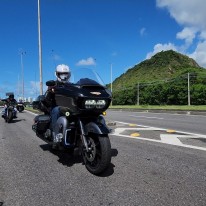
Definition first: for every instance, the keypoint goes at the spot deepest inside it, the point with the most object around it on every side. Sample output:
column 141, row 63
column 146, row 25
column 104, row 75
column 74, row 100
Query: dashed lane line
column 146, row 117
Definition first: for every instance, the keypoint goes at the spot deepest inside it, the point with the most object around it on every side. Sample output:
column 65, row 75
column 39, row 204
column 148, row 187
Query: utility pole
column 188, row 86
column 18, row 86
column 40, row 49
column 111, row 80
column 22, row 72
column 138, row 94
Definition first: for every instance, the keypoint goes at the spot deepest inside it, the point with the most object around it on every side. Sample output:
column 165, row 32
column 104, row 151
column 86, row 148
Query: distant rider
column 8, row 100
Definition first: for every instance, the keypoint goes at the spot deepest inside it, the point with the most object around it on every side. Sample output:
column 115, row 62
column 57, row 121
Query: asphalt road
column 146, row 173
column 179, row 122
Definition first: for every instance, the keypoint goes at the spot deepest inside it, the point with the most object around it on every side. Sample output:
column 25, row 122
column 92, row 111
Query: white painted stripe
column 146, row 117
column 158, row 128
column 160, row 141
column 138, row 138
column 170, row 139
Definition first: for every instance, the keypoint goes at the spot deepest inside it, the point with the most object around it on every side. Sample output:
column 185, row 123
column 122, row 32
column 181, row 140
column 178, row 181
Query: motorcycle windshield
column 85, row 76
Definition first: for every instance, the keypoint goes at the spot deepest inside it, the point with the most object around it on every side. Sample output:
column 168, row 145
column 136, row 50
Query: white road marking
column 146, row 117
column 171, row 139
column 159, row 128
column 139, row 138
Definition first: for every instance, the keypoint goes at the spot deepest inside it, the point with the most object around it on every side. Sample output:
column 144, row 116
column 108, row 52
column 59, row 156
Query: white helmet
column 62, row 73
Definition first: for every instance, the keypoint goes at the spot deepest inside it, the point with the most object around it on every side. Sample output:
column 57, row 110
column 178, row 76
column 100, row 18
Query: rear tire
column 97, row 160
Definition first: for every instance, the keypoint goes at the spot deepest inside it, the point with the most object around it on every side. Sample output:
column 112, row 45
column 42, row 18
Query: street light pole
column 40, row 49
column 138, row 94
column 111, row 80
column 188, row 88
column 22, row 73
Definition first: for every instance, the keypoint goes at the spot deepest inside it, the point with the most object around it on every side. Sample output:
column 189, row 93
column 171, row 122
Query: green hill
column 161, row 80
column 162, row 66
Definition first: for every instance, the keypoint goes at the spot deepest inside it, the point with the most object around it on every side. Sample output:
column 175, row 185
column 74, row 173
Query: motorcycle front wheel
column 98, row 158
column 21, row 109
column 10, row 116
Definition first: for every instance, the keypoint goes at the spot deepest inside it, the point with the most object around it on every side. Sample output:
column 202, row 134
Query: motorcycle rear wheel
column 98, row 159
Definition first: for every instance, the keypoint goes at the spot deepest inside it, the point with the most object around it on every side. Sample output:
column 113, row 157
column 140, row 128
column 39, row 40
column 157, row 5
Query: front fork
column 82, row 135
column 97, row 127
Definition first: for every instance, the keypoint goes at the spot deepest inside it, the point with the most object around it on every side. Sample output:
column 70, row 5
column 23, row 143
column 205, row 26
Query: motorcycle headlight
column 101, row 104
column 89, row 104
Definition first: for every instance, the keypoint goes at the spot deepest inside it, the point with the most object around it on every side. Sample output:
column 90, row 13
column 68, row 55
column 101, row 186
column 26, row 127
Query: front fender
column 93, row 127
column 61, row 122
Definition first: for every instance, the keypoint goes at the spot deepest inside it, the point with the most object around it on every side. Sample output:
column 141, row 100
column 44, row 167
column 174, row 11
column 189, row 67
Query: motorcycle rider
column 21, row 102
column 20, row 105
column 63, row 75
column 10, row 99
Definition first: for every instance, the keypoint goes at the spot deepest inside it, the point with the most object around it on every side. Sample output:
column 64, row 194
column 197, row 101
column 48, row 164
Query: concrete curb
column 188, row 112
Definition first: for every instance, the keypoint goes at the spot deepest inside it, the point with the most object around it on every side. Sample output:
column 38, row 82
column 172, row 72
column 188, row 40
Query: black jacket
column 7, row 100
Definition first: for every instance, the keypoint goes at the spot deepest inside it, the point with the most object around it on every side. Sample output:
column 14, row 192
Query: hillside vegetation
column 161, row 80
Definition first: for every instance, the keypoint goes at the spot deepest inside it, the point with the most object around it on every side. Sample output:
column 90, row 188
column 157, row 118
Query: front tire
column 98, row 158
column 21, row 109
column 10, row 116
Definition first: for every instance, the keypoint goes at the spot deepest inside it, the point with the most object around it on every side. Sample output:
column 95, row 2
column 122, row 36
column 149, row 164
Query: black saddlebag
column 41, row 124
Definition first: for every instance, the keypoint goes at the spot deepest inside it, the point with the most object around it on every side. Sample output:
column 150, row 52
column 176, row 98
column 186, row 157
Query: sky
column 105, row 35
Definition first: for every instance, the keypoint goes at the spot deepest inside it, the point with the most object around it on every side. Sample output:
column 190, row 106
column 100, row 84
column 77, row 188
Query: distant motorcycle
column 82, row 125
column 20, row 107
column 10, row 112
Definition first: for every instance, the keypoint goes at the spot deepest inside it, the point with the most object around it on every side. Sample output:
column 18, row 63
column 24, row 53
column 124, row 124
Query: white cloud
column 142, row 31
column 186, row 12
column 203, row 35
column 187, row 34
column 200, row 53
column 191, row 15
column 161, row 47
column 86, row 62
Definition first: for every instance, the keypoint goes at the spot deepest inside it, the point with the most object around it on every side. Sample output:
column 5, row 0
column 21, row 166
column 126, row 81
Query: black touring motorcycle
column 10, row 111
column 82, row 125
